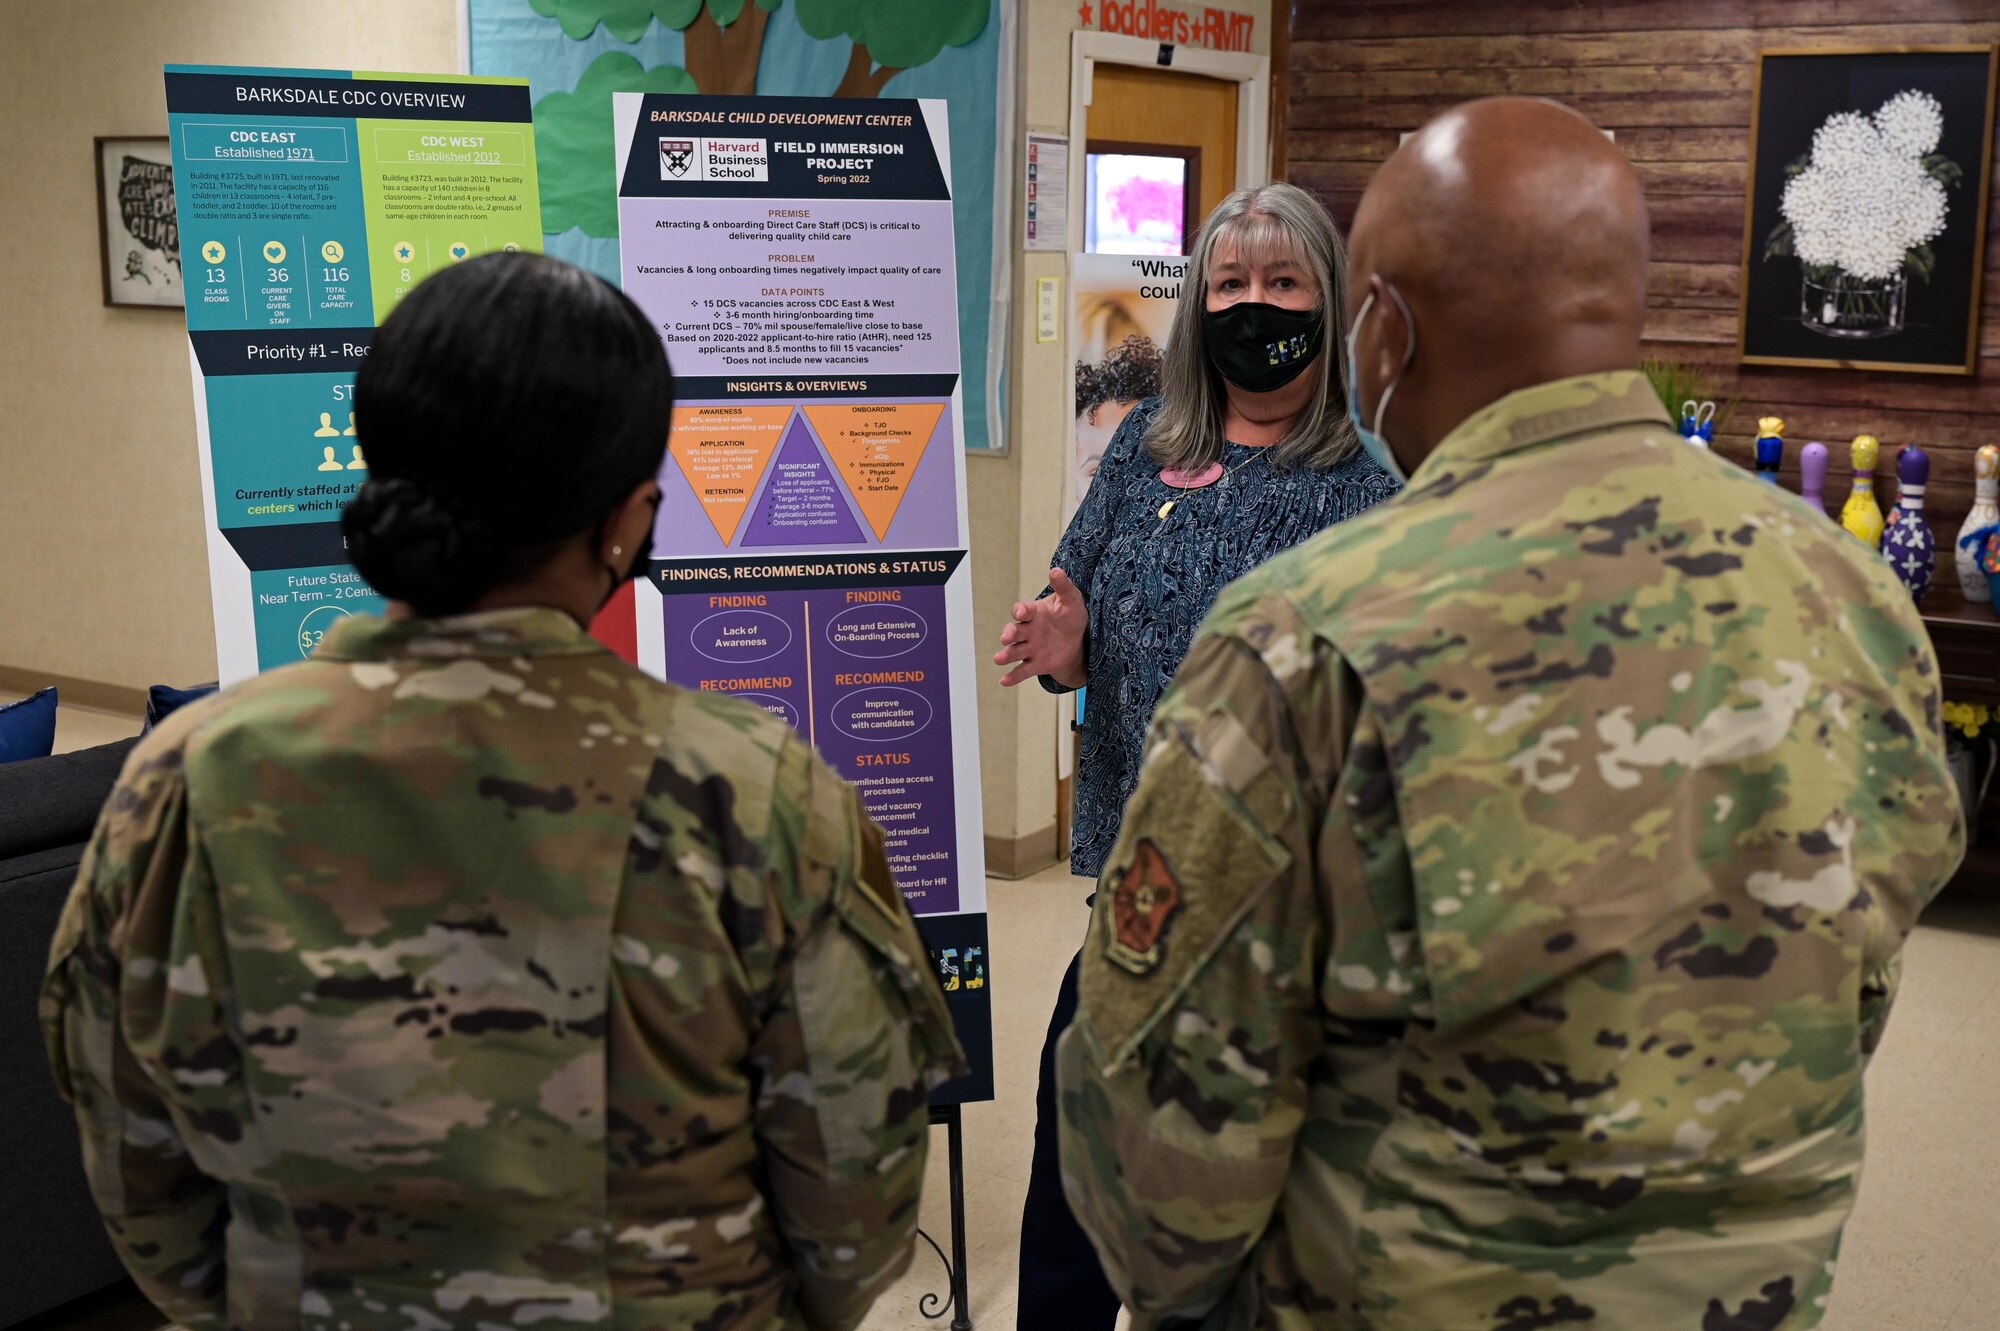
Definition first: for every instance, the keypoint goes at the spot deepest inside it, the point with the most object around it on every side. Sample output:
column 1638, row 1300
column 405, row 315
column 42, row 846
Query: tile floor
column 1922, row 1252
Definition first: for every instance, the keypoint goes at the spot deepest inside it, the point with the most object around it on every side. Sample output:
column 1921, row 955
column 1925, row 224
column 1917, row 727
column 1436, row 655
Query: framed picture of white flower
column 1865, row 238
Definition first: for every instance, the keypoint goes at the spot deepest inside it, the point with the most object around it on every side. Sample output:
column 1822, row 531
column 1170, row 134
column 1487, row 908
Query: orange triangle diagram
column 723, row 451
column 877, row 446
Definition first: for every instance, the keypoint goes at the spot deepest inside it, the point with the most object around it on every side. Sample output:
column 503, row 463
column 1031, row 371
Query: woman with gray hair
column 1247, row 451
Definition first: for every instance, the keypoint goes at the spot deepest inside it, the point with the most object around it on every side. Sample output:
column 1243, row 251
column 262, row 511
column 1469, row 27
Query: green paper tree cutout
column 725, row 38
column 627, row 20
column 573, row 142
column 891, row 36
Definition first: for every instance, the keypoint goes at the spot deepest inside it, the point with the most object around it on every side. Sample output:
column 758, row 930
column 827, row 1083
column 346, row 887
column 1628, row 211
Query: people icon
column 332, row 463
column 350, row 430
column 326, row 430
column 358, row 464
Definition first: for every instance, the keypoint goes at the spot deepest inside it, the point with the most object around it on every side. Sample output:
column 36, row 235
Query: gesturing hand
column 1046, row 636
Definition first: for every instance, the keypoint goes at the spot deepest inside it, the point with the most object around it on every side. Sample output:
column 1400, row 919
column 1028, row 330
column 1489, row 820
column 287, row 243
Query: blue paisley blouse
column 1149, row 581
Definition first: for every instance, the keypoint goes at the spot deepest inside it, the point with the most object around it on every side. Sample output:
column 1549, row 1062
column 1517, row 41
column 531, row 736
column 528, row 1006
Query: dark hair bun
column 414, row 546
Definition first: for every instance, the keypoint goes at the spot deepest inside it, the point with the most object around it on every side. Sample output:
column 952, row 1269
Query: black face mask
column 1261, row 347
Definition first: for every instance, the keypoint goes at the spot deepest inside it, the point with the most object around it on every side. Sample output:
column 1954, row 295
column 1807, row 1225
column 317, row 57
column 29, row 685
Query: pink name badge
column 1192, row 480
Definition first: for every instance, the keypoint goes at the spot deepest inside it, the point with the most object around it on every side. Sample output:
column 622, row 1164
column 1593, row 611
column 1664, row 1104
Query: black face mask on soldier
column 1260, row 347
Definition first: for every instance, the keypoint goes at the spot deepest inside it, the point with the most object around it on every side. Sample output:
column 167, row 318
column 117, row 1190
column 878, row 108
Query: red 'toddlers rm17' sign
column 1216, row 29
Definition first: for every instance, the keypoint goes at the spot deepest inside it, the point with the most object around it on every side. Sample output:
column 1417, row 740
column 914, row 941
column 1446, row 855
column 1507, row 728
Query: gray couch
column 52, row 1244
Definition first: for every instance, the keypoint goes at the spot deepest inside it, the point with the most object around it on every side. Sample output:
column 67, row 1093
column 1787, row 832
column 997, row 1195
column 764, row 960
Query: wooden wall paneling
column 1323, row 20
column 1685, row 42
column 1281, row 87
column 1673, row 79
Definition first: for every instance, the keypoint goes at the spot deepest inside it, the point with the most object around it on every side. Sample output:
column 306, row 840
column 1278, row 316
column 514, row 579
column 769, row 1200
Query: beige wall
column 103, row 572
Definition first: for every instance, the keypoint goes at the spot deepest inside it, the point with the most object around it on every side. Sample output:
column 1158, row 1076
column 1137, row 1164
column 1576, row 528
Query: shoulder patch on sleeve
column 1142, row 906
column 1193, row 864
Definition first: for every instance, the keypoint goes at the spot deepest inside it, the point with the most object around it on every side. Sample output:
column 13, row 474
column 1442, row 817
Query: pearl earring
column 617, row 550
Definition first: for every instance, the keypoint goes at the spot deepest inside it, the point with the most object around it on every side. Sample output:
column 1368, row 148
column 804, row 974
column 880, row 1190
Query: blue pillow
column 28, row 728
column 163, row 700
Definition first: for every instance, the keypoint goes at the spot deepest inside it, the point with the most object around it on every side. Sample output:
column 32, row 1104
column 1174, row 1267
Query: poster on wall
column 796, row 255
column 310, row 202
column 1121, row 311
column 1865, row 236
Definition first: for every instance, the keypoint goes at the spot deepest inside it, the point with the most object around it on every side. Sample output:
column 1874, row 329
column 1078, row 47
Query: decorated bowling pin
column 1770, row 447
column 1908, row 544
column 1698, row 423
column 1985, row 513
column 1812, row 475
column 1862, row 516
column 1985, row 546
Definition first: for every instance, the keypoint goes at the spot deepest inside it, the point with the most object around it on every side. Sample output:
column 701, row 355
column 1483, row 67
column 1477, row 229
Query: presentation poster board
column 796, row 255
column 310, row 202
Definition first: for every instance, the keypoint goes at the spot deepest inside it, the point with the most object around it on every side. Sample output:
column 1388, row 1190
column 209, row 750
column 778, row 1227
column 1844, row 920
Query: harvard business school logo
column 676, row 158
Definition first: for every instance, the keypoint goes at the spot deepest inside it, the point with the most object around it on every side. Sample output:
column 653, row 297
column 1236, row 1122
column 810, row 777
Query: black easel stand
column 954, row 1266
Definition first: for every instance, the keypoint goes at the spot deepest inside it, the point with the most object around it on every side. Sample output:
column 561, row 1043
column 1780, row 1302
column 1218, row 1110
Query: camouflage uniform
column 465, row 975
column 1510, row 902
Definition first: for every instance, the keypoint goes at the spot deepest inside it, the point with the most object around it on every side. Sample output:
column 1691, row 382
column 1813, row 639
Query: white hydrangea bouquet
column 1860, row 212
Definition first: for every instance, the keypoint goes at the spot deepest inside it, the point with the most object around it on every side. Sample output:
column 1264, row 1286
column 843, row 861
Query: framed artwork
column 1864, row 237
column 139, row 239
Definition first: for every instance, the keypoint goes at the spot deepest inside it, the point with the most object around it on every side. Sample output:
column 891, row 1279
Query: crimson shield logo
column 676, row 157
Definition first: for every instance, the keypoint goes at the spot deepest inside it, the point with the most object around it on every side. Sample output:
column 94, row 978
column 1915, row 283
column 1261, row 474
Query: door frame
column 1250, row 73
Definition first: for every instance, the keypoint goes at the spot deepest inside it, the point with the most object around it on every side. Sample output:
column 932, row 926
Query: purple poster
column 795, row 256
column 864, row 672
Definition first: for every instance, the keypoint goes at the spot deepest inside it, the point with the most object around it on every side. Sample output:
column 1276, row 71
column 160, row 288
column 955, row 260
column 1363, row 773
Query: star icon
column 405, row 251
column 213, row 252
column 1084, row 10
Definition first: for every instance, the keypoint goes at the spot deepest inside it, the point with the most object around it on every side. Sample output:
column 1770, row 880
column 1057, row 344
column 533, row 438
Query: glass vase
column 1840, row 305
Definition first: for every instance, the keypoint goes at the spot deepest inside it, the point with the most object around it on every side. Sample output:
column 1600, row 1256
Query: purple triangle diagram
column 803, row 502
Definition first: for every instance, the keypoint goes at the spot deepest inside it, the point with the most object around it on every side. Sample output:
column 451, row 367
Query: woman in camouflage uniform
column 463, row 973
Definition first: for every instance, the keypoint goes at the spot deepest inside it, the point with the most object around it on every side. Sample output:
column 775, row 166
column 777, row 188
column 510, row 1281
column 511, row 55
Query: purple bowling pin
column 1908, row 544
column 1812, row 475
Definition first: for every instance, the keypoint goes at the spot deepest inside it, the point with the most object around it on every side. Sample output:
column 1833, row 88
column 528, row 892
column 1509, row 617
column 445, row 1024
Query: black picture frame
column 1923, row 320
column 140, row 269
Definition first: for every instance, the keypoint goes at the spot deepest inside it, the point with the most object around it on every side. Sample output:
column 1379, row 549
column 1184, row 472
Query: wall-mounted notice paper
column 1045, row 193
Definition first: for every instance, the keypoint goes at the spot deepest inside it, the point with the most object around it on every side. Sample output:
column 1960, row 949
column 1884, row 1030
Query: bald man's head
column 1515, row 233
